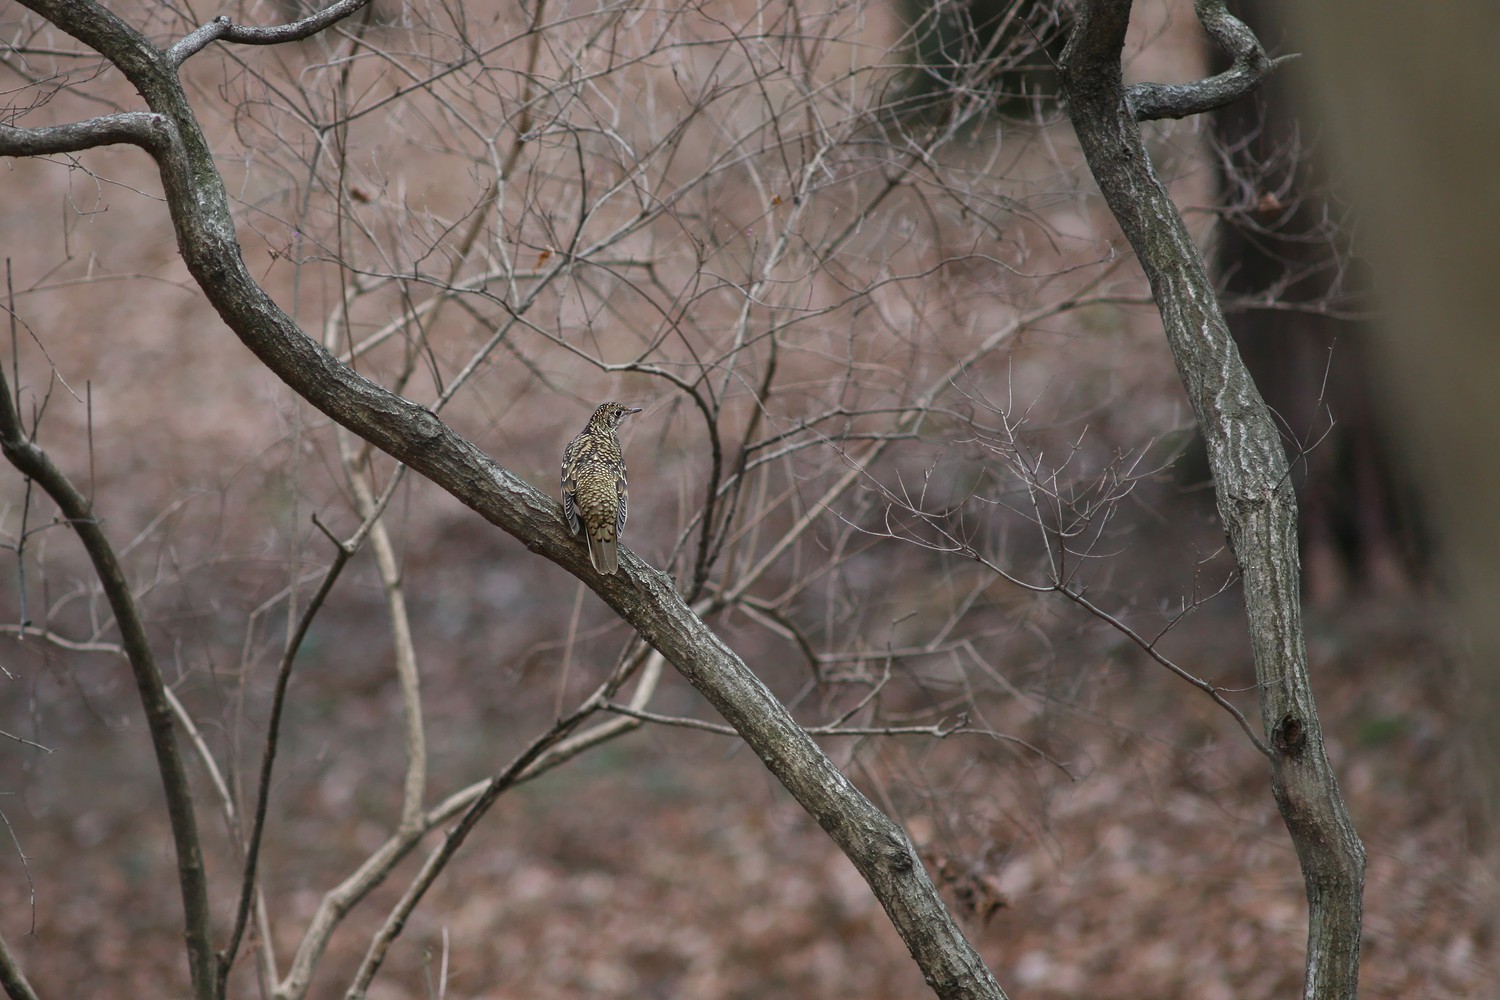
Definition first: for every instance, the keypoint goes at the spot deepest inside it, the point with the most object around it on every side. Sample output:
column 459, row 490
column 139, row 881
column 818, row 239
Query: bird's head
column 607, row 416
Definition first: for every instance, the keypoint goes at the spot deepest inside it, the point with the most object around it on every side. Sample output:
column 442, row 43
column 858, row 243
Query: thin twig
column 439, row 858
column 268, row 761
column 31, row 460
column 938, row 730
column 25, row 870
column 374, row 870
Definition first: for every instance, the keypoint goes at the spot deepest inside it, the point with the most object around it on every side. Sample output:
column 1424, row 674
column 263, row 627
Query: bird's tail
column 604, row 554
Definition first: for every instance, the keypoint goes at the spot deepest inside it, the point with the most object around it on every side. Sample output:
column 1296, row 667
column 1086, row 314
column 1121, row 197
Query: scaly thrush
column 593, row 485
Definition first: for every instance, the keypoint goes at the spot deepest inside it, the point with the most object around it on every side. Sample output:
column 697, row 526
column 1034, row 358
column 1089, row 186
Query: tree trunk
column 1252, row 484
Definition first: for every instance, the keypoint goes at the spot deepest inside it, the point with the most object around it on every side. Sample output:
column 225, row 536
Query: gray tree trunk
column 1252, row 483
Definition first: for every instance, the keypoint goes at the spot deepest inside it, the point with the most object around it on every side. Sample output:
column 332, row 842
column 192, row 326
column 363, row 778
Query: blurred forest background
column 904, row 393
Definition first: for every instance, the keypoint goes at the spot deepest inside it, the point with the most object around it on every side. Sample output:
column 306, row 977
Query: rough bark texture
column 1252, row 484
column 414, row 435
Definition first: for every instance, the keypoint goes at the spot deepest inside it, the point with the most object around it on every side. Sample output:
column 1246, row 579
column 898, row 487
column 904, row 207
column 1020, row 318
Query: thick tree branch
column 138, row 128
column 11, row 976
column 1251, row 482
column 223, row 29
column 414, row 435
column 1150, row 101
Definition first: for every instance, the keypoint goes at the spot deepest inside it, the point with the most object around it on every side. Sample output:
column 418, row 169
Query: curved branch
column 413, row 434
column 32, row 461
column 136, row 128
column 221, row 28
column 1151, row 101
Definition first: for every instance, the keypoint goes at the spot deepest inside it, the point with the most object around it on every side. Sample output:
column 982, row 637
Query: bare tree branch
column 25, row 742
column 959, row 726
column 1251, row 481
column 454, row 839
column 248, row 883
column 137, row 128
column 338, row 901
column 11, row 977
column 414, row 435
column 1152, row 101
column 30, row 460
column 222, row 29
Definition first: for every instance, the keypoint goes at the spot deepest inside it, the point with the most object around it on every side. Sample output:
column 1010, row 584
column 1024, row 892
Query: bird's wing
column 570, row 506
column 624, row 506
column 569, row 491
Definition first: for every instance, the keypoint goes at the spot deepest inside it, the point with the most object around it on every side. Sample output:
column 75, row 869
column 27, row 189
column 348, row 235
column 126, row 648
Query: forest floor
column 669, row 864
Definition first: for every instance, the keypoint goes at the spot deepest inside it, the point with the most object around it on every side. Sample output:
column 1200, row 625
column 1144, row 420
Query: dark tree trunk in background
column 1284, row 254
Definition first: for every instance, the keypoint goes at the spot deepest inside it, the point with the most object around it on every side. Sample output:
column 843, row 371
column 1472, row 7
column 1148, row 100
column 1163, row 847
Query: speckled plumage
column 593, row 485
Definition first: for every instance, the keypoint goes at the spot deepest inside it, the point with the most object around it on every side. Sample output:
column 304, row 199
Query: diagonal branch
column 338, row 901
column 343, row 552
column 414, row 435
column 11, row 976
column 454, row 839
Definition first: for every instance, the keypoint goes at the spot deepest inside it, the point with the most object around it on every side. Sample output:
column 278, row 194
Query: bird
column 593, row 485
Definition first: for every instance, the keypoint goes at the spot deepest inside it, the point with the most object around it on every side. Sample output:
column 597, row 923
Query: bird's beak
column 634, row 409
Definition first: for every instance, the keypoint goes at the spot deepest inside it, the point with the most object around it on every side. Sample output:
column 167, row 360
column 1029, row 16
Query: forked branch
column 414, row 435
column 30, row 460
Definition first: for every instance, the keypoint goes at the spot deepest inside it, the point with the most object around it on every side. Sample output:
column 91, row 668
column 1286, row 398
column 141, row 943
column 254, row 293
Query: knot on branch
column 899, row 856
column 1249, row 502
column 424, row 425
column 1289, row 736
